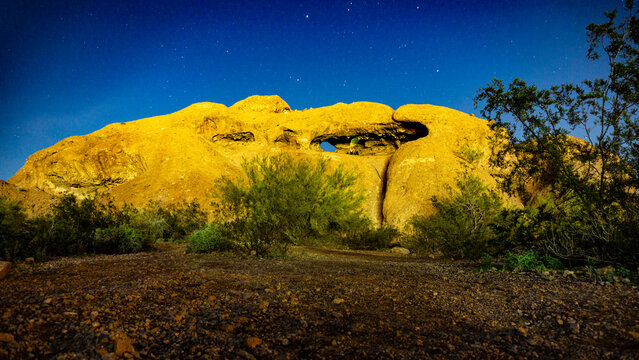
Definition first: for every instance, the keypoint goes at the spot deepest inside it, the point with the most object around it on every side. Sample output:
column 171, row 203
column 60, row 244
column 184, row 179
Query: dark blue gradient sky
column 72, row 67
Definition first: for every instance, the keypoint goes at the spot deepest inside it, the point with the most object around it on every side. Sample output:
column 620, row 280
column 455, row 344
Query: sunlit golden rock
column 405, row 156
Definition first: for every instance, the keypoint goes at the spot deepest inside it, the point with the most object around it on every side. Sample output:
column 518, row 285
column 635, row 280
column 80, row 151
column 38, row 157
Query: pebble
column 5, row 337
column 253, row 342
column 400, row 250
column 523, row 331
column 338, row 301
column 123, row 344
column 245, row 354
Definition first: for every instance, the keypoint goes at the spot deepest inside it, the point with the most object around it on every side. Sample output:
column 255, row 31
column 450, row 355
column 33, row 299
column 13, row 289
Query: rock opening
column 381, row 141
column 328, row 147
column 238, row 136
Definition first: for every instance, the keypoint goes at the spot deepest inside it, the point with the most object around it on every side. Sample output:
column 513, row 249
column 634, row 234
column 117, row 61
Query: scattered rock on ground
column 400, row 250
column 397, row 307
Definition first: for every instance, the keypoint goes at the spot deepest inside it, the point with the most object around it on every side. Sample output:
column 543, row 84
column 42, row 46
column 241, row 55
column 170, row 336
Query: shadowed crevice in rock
column 288, row 137
column 384, row 140
column 412, row 130
column 382, row 190
column 245, row 136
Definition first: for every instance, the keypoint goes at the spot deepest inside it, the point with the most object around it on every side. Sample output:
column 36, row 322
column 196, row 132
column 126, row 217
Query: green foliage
column 212, row 238
column 469, row 154
column 73, row 224
column 551, row 262
column 172, row 223
column 525, row 261
column 282, row 201
column 371, row 238
column 594, row 211
column 463, row 225
column 623, row 272
column 120, row 239
column 87, row 226
column 13, row 228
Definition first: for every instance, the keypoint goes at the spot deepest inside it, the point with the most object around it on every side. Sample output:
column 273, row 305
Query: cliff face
column 406, row 156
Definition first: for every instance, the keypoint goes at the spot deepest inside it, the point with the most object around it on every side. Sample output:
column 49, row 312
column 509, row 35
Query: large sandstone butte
column 405, row 156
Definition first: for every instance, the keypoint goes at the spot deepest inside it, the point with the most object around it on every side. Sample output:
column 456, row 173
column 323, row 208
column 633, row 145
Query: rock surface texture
column 405, row 156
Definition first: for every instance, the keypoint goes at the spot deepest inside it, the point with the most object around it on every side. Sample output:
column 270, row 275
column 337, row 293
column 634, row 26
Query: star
column 306, row 16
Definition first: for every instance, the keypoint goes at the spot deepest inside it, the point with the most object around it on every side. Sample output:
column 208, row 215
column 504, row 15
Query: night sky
column 72, row 67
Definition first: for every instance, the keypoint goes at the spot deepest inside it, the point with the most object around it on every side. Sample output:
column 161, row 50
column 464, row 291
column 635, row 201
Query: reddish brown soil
column 167, row 304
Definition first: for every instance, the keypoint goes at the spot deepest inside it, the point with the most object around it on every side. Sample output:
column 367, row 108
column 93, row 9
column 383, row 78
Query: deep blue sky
column 72, row 67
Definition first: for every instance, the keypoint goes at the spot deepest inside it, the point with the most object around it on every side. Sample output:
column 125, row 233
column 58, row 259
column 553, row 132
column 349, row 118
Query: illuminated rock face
column 405, row 156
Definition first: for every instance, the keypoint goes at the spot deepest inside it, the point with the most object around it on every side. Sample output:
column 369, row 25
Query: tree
column 282, row 201
column 594, row 183
column 463, row 225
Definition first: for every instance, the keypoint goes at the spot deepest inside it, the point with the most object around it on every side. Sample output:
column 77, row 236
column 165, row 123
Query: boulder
column 400, row 250
column 432, row 165
column 405, row 156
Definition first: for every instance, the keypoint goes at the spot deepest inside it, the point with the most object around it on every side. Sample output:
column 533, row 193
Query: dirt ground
column 316, row 304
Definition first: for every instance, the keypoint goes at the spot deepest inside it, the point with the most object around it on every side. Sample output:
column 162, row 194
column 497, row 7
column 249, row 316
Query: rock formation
column 35, row 201
column 406, row 156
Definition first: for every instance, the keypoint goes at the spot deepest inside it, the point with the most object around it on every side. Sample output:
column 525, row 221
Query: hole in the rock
column 326, row 146
column 380, row 141
column 239, row 137
column 410, row 131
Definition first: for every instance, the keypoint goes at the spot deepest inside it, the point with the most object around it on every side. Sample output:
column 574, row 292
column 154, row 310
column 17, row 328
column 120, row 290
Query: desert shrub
column 74, row 222
column 119, row 240
column 84, row 226
column 212, row 238
column 529, row 260
column 551, row 262
column 87, row 226
column 369, row 237
column 149, row 221
column 463, row 225
column 282, row 201
column 183, row 219
column 14, row 229
column 524, row 261
column 172, row 223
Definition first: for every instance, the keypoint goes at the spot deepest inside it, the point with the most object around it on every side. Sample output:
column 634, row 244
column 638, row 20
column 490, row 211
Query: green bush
column 183, row 219
column 14, row 229
column 523, row 262
column 528, row 260
column 88, row 226
column 120, row 239
column 172, row 223
column 73, row 224
column 282, row 201
column 212, row 238
column 463, row 226
column 371, row 238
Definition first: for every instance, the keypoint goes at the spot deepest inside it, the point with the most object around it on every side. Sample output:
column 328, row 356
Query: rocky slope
column 34, row 201
column 406, row 156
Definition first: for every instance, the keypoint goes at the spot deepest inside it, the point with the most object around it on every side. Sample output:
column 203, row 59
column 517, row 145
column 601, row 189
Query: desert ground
column 313, row 304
